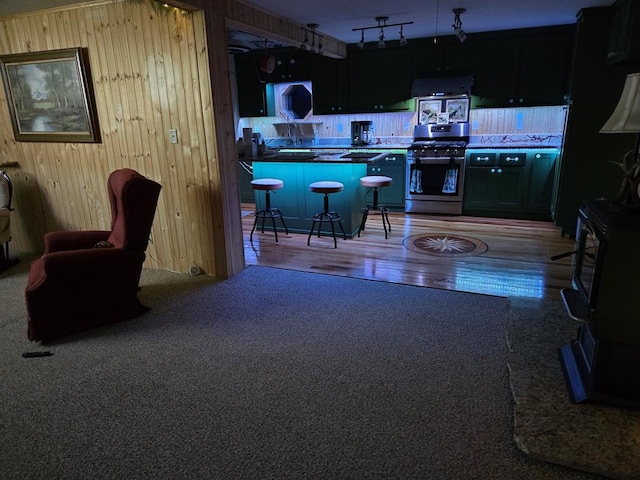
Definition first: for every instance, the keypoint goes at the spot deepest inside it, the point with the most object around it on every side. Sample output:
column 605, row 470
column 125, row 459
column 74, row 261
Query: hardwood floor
column 516, row 263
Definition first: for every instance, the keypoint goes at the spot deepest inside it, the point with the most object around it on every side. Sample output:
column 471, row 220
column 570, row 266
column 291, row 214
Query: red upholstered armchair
column 89, row 278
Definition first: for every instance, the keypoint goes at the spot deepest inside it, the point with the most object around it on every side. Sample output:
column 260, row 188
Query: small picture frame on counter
column 443, row 117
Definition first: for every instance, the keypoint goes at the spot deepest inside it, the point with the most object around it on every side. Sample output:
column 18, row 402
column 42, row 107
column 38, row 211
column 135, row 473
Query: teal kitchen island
column 299, row 205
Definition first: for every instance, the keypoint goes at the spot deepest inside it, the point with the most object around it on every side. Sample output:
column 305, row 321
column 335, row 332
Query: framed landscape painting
column 49, row 96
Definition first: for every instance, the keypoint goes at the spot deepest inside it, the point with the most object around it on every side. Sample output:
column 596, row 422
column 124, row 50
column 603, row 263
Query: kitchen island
column 298, row 204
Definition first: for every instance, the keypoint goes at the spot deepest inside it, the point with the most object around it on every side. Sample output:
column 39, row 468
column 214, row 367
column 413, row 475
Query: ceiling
column 338, row 18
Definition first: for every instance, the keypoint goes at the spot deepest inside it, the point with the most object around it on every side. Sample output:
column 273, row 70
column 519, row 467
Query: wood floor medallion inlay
column 445, row 245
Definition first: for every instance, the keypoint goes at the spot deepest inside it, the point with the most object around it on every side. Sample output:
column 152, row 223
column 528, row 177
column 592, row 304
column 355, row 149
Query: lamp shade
column 626, row 117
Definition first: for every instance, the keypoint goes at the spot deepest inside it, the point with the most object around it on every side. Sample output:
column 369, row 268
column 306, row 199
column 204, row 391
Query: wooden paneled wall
column 150, row 74
column 488, row 121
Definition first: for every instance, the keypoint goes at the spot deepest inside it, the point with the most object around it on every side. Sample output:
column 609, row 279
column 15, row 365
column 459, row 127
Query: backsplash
column 530, row 126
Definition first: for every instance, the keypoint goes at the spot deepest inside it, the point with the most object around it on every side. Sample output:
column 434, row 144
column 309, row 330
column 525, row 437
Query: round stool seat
column 376, row 181
column 326, row 187
column 267, row 184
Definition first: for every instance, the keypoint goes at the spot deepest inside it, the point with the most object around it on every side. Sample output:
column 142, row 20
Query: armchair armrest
column 73, row 240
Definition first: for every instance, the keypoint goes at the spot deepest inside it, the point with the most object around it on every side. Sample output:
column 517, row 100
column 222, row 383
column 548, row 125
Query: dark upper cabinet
column 329, row 85
column 252, row 91
column 446, row 56
column 544, row 72
column 624, row 32
column 458, row 58
column 426, row 60
column 291, row 66
column 496, row 71
column 527, row 69
column 379, row 80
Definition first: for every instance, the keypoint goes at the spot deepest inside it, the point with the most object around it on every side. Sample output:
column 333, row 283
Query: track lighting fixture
column 382, row 23
column 313, row 47
column 312, row 27
column 403, row 40
column 304, row 44
column 457, row 24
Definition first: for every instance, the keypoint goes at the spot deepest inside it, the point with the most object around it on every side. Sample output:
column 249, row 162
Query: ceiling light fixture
column 313, row 47
column 361, row 43
column 403, row 39
column 382, row 24
column 312, row 27
column 457, row 24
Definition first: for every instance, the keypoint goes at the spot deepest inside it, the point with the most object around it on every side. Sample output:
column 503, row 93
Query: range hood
column 446, row 85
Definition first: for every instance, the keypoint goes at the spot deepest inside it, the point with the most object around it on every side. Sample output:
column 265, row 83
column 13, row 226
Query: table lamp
column 626, row 119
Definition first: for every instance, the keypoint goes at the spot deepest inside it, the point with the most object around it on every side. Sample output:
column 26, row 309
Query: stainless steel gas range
column 435, row 168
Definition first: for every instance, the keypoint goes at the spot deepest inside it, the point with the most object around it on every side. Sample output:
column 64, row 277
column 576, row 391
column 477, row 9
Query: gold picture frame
column 49, row 96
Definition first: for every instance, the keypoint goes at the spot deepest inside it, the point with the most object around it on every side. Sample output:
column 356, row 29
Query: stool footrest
column 332, row 218
column 271, row 213
column 327, row 217
column 383, row 212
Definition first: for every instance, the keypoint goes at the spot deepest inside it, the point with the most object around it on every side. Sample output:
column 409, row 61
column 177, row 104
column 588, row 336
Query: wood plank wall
column 489, row 121
column 150, row 74
column 252, row 19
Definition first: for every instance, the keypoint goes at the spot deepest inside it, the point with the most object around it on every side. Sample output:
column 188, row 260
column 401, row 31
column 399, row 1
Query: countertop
column 510, row 147
column 316, row 157
column 336, row 154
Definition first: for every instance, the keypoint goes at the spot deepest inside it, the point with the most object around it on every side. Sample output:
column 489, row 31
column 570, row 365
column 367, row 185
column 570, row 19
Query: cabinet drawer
column 512, row 160
column 394, row 159
column 480, row 159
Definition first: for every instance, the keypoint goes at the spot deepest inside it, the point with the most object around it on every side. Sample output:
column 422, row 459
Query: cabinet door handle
column 482, row 159
column 513, row 159
column 499, row 170
column 493, row 170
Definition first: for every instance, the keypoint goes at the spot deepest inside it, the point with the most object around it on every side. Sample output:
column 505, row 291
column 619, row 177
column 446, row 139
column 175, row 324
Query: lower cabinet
column 494, row 188
column 393, row 166
column 516, row 184
column 245, row 175
column 543, row 172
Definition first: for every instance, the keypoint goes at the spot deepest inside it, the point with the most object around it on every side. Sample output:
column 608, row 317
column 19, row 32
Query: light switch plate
column 173, row 135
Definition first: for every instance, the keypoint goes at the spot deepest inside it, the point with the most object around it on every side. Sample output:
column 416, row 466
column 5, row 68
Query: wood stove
column 603, row 362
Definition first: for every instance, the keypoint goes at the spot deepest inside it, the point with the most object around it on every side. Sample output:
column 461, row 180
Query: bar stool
column 375, row 181
column 268, row 184
column 326, row 187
